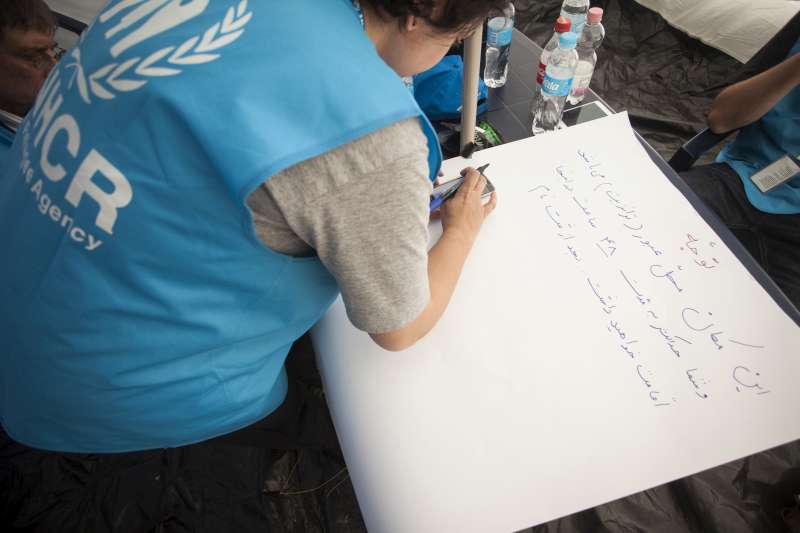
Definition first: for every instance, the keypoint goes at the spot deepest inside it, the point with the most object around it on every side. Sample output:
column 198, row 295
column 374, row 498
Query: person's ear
column 411, row 23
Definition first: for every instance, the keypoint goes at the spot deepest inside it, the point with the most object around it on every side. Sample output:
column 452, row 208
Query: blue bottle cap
column 568, row 40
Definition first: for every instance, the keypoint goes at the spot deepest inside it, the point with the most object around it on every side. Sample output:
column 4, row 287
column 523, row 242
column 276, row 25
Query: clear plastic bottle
column 590, row 40
column 556, row 85
column 499, row 31
column 562, row 26
column 594, row 27
column 575, row 11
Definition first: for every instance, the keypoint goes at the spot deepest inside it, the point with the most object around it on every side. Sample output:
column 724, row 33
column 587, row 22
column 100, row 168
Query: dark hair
column 25, row 15
column 452, row 16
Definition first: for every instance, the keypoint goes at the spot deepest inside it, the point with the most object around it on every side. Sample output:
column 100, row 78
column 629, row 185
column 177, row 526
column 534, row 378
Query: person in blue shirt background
column 26, row 57
column 194, row 186
column 767, row 108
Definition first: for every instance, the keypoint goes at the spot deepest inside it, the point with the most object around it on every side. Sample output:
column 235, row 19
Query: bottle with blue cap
column 556, row 85
column 499, row 32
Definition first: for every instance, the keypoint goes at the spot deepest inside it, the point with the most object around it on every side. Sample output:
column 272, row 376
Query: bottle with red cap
column 563, row 25
column 590, row 40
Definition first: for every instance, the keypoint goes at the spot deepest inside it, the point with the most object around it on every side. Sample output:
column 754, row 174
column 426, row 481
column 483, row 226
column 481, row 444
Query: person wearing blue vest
column 26, row 57
column 194, row 186
column 767, row 109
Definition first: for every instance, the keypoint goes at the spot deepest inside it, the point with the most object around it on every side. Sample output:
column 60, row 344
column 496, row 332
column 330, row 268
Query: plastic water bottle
column 556, row 85
column 589, row 42
column 575, row 11
column 562, row 26
column 500, row 29
column 594, row 27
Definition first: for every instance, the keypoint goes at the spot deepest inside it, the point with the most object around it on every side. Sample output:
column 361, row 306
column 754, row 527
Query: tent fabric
column 666, row 80
column 740, row 27
column 83, row 10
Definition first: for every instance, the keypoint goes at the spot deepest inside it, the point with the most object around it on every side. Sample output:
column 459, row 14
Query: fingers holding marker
column 474, row 189
column 491, row 204
column 481, row 183
column 473, row 180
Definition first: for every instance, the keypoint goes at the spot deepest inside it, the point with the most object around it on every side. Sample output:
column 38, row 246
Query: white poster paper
column 602, row 340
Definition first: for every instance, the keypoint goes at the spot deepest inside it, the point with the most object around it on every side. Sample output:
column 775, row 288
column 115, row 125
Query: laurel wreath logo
column 109, row 80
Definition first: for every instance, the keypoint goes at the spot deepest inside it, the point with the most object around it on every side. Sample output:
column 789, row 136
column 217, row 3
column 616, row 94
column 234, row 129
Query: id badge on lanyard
column 776, row 173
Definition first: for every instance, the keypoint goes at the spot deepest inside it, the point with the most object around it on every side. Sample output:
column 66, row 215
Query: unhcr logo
column 53, row 144
column 133, row 22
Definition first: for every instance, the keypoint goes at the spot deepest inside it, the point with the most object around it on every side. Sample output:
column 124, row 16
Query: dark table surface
column 509, row 109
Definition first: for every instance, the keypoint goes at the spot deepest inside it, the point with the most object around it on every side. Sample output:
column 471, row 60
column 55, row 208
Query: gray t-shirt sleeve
column 363, row 208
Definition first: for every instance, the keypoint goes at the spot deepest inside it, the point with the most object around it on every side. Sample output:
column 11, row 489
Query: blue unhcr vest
column 138, row 308
column 759, row 144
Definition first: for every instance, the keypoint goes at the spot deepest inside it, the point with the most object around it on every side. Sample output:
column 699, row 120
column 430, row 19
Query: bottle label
column 540, row 74
column 555, row 86
column 499, row 38
column 580, row 84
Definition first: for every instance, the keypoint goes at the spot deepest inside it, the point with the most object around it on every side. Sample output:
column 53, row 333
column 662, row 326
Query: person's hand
column 464, row 213
column 436, row 214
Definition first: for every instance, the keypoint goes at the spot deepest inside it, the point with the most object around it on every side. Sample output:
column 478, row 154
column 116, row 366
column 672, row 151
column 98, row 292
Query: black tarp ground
column 212, row 489
column 666, row 81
